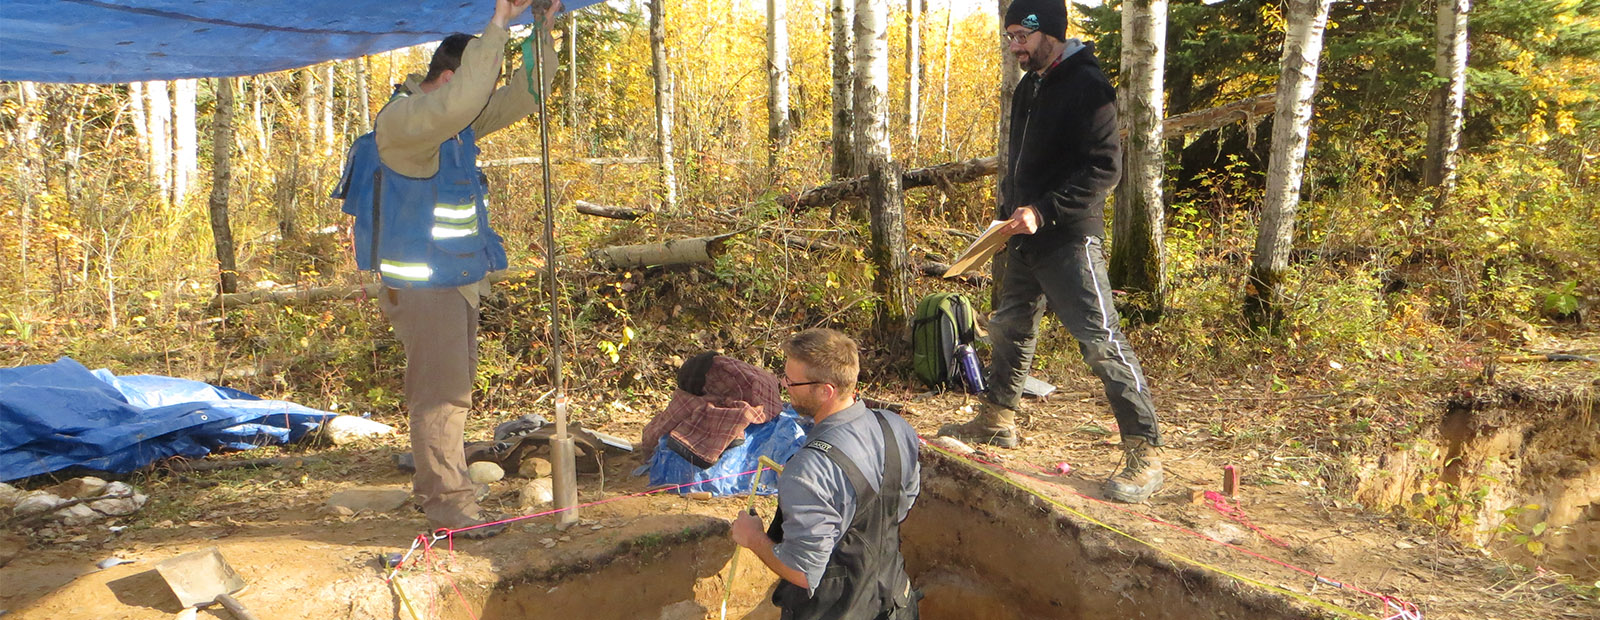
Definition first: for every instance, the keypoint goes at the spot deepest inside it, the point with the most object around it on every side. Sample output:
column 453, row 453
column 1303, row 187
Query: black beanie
column 1046, row 16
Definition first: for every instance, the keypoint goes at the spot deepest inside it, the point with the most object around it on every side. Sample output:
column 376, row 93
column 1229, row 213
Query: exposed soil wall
column 1501, row 464
column 976, row 548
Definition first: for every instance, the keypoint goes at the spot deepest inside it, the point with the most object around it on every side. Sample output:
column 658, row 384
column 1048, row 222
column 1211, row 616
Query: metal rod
column 549, row 219
column 563, row 452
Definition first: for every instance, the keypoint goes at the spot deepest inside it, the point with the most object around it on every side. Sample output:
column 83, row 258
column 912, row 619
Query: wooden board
column 982, row 249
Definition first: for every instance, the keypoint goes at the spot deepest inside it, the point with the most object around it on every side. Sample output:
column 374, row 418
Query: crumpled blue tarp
column 61, row 415
column 111, row 41
column 778, row 439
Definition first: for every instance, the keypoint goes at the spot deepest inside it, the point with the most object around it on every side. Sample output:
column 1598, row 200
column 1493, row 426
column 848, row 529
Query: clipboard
column 988, row 243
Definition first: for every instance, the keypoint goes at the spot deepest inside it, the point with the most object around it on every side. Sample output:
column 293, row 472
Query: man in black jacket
column 1065, row 156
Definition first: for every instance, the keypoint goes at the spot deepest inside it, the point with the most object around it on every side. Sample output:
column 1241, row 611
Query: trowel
column 202, row 578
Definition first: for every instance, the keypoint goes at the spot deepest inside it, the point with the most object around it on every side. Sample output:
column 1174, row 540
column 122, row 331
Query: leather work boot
column 1141, row 474
column 994, row 425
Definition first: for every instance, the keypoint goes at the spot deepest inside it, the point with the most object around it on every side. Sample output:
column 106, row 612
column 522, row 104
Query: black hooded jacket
column 1065, row 154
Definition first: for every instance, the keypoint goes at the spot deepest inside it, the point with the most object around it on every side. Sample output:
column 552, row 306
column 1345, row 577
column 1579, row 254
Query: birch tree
column 870, row 92
column 221, row 179
column 258, row 88
column 364, row 92
column 159, row 119
column 141, row 124
column 914, row 70
column 891, row 274
column 944, row 86
column 1010, row 74
column 30, row 170
column 308, row 104
column 1450, row 97
column 572, row 69
column 185, row 141
column 1291, row 128
column 325, row 107
column 843, row 14
column 777, row 79
column 663, row 79
column 1138, row 258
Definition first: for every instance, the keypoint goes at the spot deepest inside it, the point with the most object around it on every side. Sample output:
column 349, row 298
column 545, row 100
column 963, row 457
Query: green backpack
column 943, row 322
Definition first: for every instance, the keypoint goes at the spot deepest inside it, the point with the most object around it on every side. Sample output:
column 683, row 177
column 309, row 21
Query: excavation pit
column 976, row 547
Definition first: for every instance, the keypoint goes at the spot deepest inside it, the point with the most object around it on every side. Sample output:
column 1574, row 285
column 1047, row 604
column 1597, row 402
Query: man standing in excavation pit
column 835, row 541
column 1064, row 158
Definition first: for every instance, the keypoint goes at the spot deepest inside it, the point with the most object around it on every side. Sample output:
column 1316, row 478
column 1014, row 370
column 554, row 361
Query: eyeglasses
column 1016, row 37
column 789, row 384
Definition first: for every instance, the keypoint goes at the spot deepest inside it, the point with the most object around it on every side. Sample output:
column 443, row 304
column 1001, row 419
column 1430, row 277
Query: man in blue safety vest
column 422, row 222
column 835, row 541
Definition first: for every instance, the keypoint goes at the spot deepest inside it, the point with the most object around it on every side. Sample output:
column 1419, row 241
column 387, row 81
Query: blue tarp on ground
column 111, row 41
column 61, row 415
column 777, row 439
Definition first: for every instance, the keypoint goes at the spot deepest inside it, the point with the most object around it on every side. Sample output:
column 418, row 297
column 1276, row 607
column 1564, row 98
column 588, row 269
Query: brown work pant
column 439, row 329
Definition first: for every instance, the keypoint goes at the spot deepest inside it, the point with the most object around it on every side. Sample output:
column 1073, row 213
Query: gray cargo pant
column 1071, row 277
column 439, row 330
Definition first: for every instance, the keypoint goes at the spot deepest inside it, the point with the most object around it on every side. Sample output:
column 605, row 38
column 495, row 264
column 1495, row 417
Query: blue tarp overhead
column 110, row 41
column 61, row 415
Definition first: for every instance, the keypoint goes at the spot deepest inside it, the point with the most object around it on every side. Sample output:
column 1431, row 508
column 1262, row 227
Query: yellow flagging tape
column 1171, row 554
column 405, row 602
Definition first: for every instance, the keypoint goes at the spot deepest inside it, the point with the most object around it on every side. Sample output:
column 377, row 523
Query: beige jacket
column 411, row 128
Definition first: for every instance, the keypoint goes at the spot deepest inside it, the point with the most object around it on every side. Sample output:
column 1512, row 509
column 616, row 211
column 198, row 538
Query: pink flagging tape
column 1228, row 509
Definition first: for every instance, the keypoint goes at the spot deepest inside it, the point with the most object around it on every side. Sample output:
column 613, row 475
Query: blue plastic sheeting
column 110, row 41
column 777, row 439
column 62, row 415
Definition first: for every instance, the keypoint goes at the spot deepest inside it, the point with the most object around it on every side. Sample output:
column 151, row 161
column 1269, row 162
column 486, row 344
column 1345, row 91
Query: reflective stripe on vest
column 410, row 272
column 454, row 221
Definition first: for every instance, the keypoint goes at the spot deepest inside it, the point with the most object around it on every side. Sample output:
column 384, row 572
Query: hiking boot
column 994, row 425
column 1141, row 474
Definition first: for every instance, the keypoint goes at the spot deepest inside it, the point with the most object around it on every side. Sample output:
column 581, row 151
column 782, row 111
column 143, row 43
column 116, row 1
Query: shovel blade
column 196, row 578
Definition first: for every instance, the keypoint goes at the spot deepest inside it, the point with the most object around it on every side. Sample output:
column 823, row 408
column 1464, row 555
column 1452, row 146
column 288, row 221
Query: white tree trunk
column 777, row 79
column 1137, row 260
column 141, row 126
column 944, row 87
column 1291, row 129
column 663, row 75
column 308, row 105
column 914, row 71
column 160, row 123
column 364, row 91
column 30, row 172
column 843, row 14
column 185, row 156
column 1450, row 98
column 572, row 70
column 325, row 105
column 1010, row 74
column 871, row 92
column 258, row 89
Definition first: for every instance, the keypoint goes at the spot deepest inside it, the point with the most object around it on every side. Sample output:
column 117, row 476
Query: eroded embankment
column 1513, row 469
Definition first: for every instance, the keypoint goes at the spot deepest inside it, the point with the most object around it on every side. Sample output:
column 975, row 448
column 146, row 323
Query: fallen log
column 665, row 253
column 186, row 466
column 338, row 292
column 935, row 269
column 615, row 213
column 598, row 161
column 973, row 169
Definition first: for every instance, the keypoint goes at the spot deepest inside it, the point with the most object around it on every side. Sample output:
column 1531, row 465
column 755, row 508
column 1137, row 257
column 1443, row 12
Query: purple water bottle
column 971, row 373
